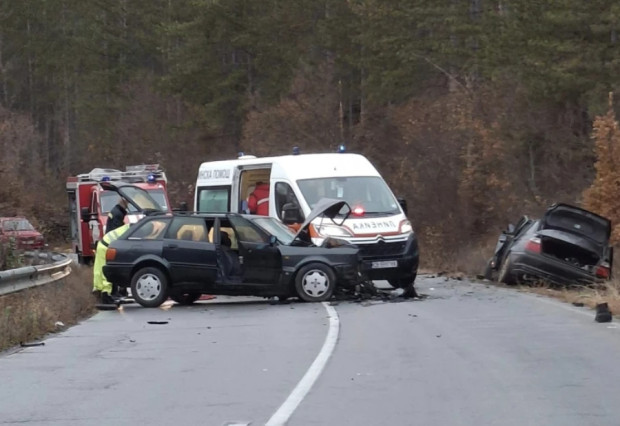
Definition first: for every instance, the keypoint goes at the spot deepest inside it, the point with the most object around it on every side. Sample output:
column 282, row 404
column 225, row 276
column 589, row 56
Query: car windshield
column 275, row 228
column 368, row 193
column 17, row 225
column 110, row 198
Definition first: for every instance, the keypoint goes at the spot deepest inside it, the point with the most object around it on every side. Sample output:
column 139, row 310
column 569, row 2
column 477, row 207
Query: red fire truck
column 89, row 204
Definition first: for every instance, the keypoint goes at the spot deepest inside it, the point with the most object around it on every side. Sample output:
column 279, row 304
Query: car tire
column 402, row 282
column 185, row 298
column 149, row 287
column 488, row 271
column 505, row 274
column 315, row 282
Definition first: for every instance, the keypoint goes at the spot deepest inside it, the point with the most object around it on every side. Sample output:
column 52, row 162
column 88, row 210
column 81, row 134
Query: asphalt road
column 468, row 354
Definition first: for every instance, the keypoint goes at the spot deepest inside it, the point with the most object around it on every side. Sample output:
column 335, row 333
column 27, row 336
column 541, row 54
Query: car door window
column 150, row 230
column 522, row 225
column 188, row 229
column 247, row 232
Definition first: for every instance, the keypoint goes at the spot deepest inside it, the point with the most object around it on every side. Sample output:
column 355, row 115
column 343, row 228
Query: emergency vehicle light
column 342, row 148
column 296, row 150
column 105, row 179
column 359, row 211
column 151, row 178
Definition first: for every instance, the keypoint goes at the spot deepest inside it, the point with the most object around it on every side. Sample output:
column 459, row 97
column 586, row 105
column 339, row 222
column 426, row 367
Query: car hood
column 136, row 196
column 327, row 207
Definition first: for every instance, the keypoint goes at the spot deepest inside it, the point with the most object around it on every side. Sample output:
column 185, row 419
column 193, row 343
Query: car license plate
column 384, row 264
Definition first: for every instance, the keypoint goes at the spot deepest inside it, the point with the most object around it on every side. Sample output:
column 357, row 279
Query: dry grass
column 588, row 296
column 31, row 314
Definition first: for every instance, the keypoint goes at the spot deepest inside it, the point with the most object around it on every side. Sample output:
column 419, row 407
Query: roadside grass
column 588, row 296
column 31, row 314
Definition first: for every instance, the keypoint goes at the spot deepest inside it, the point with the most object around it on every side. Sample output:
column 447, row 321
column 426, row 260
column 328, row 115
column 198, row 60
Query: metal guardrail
column 57, row 267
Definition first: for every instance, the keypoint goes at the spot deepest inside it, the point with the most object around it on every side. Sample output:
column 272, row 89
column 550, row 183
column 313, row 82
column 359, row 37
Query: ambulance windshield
column 369, row 193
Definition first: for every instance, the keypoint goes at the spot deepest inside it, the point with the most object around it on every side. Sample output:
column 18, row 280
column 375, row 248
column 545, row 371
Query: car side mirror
column 291, row 214
column 85, row 214
column 403, row 204
column 273, row 240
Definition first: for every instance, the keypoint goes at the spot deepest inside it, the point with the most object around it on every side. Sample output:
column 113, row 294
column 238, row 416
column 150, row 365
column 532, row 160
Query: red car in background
column 22, row 231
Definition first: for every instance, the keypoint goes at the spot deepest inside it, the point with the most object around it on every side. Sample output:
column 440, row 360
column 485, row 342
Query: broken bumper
column 531, row 267
column 402, row 265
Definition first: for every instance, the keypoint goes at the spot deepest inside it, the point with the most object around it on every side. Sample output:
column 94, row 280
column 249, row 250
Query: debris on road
column 603, row 314
column 158, row 322
column 106, row 307
column 29, row 345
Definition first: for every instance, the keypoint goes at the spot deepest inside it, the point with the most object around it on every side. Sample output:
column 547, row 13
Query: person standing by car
column 116, row 217
column 102, row 288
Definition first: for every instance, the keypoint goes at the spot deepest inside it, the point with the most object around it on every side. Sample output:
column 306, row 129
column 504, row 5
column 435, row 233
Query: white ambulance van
column 378, row 225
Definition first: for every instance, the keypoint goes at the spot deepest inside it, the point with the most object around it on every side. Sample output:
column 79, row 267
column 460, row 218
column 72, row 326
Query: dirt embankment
column 31, row 314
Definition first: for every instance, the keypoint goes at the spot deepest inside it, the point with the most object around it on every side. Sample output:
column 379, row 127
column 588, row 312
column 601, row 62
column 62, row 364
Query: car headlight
column 405, row 227
column 332, row 231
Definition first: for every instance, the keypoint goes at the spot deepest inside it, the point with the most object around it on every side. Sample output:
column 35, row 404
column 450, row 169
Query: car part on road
column 603, row 314
column 149, row 287
column 106, row 306
column 185, row 298
column 157, row 322
column 30, row 345
column 315, row 282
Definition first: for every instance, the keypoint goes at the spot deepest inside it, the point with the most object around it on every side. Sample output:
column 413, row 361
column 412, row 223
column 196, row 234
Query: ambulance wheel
column 402, row 282
column 149, row 287
column 315, row 282
column 185, row 298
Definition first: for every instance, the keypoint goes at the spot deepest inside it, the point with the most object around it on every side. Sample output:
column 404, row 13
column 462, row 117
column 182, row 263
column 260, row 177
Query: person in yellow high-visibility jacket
column 101, row 285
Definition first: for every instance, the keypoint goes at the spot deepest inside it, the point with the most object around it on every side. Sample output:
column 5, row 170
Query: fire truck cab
column 89, row 203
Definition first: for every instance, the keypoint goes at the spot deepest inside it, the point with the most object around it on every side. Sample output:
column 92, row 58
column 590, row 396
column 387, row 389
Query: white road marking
column 282, row 414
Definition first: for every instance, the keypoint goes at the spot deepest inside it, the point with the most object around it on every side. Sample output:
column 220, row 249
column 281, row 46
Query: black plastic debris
column 30, row 345
column 106, row 306
column 603, row 314
column 578, row 304
column 158, row 322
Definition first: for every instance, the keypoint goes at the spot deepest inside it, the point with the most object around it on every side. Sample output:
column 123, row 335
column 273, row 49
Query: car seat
column 187, row 235
column 229, row 261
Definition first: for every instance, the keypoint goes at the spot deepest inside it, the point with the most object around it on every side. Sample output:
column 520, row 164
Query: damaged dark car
column 568, row 245
column 185, row 255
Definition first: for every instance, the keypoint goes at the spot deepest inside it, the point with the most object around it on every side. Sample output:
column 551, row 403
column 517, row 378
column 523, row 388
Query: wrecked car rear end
column 567, row 245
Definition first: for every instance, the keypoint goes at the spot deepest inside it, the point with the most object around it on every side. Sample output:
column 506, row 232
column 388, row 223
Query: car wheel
column 488, row 271
column 402, row 282
column 185, row 298
column 505, row 274
column 315, row 282
column 149, row 287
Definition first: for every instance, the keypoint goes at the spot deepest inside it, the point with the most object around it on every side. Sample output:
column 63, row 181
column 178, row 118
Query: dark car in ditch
column 568, row 245
column 185, row 255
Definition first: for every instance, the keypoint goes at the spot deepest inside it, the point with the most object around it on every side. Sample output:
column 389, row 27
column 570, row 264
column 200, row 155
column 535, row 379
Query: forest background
column 475, row 111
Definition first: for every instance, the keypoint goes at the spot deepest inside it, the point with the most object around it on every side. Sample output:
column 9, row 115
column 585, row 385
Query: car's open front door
column 262, row 261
